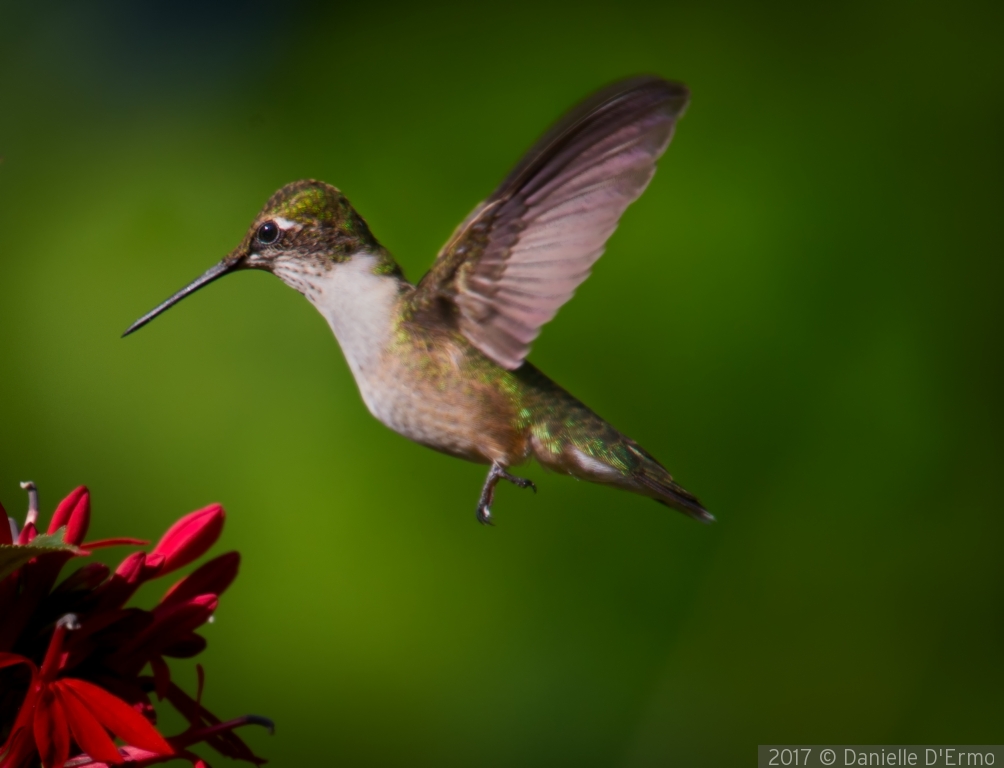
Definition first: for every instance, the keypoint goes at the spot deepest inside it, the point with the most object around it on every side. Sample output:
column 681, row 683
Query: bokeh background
column 802, row 318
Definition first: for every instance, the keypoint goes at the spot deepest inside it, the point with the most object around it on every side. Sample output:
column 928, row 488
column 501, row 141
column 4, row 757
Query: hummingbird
column 443, row 362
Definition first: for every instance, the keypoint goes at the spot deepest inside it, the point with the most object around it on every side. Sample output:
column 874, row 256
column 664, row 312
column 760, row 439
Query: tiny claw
column 520, row 482
column 484, row 515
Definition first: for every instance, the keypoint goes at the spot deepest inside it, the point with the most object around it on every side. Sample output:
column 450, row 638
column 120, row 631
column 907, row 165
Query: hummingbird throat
column 358, row 298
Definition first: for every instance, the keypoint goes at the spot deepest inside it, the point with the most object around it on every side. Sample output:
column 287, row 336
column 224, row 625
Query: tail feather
column 568, row 437
column 654, row 478
column 675, row 496
column 621, row 462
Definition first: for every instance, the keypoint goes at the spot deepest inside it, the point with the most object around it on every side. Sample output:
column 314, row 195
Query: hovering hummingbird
column 443, row 362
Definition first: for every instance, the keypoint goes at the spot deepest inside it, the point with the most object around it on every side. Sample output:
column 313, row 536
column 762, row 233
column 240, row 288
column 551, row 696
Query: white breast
column 360, row 307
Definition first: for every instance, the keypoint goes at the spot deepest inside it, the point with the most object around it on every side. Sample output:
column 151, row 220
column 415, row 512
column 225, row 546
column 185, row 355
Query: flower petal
column 132, row 756
column 75, row 513
column 6, row 535
column 10, row 659
column 87, row 731
column 20, row 744
column 52, row 734
column 118, row 717
column 190, row 537
column 186, row 646
column 120, row 541
column 19, row 747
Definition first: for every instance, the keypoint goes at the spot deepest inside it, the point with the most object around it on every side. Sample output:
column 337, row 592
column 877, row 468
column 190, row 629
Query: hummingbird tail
column 607, row 457
column 568, row 437
column 663, row 489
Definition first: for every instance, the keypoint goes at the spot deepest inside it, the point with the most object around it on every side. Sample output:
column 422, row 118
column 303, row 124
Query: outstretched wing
column 522, row 253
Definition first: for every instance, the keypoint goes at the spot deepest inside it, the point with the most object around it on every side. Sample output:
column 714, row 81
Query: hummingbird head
column 305, row 229
column 304, row 223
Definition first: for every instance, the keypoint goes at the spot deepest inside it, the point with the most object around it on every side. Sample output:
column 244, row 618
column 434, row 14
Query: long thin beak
column 226, row 266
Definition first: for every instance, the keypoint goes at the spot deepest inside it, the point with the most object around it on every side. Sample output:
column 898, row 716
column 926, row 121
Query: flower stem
column 195, row 735
column 53, row 656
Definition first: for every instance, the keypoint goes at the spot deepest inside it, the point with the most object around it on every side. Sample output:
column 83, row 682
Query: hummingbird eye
column 268, row 233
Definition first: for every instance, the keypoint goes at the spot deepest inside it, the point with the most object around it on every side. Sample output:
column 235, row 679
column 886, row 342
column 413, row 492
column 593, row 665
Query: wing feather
column 521, row 254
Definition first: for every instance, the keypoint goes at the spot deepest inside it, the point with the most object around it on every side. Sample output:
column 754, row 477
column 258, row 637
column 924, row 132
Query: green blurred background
column 802, row 318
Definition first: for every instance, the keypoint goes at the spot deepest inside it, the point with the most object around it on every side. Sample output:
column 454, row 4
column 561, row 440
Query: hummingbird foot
column 496, row 473
column 519, row 482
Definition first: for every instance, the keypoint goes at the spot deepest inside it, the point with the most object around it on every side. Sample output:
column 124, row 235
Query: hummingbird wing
column 521, row 254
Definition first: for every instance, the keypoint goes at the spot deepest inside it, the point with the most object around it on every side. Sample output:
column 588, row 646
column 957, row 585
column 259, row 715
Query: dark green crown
column 329, row 223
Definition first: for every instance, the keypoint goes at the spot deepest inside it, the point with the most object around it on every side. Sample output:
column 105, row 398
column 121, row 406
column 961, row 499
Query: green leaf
column 13, row 556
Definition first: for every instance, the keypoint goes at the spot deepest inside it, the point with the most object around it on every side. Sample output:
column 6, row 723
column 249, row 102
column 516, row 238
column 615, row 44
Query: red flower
column 55, row 709
column 68, row 685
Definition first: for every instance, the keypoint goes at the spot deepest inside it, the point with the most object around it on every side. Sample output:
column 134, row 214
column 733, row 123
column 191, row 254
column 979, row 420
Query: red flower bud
column 212, row 578
column 28, row 534
column 131, row 568
column 131, row 572
column 75, row 513
column 190, row 537
column 186, row 647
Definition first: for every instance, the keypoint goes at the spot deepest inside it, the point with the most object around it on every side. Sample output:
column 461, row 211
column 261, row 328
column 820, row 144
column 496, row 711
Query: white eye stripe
column 284, row 224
